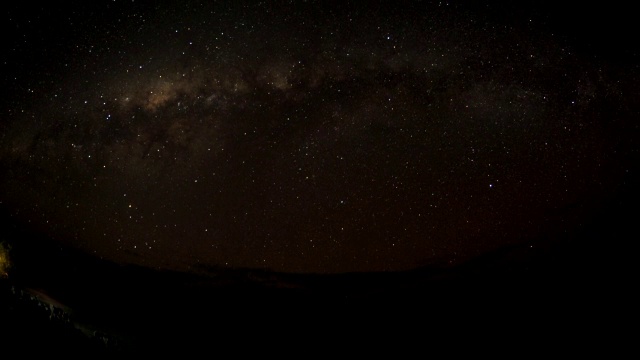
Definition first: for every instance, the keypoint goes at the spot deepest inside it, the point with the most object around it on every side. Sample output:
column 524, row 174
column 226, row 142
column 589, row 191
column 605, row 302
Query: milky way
column 305, row 137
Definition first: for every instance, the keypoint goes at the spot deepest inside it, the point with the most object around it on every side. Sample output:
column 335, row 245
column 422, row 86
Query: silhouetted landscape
column 64, row 299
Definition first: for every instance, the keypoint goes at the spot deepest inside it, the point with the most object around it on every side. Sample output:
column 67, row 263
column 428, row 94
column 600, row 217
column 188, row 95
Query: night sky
column 312, row 137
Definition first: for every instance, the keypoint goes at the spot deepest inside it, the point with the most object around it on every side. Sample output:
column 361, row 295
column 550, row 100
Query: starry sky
column 312, row 137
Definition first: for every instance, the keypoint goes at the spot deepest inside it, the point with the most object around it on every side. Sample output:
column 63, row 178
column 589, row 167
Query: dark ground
column 576, row 283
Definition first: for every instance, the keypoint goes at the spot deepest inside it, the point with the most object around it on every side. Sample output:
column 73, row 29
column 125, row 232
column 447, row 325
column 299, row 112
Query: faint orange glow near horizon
column 4, row 262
